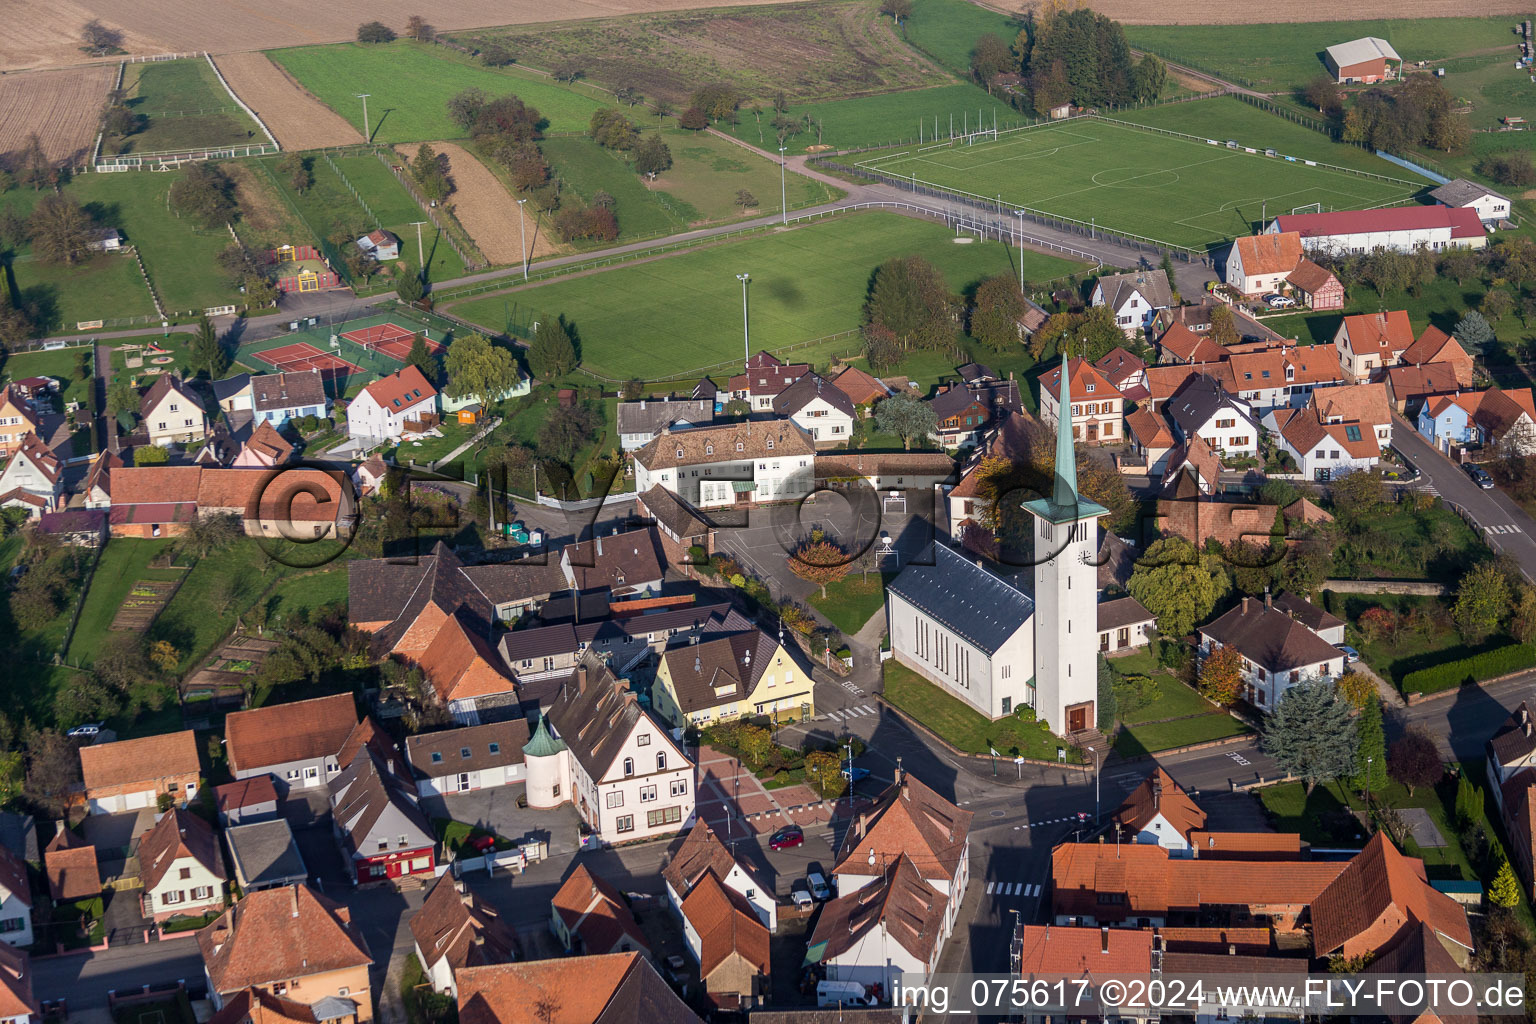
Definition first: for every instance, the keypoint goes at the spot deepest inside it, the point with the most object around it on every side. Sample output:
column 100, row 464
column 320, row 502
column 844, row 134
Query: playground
column 302, row 269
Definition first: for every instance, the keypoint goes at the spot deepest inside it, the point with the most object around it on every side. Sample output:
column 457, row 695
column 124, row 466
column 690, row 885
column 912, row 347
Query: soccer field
column 1178, row 191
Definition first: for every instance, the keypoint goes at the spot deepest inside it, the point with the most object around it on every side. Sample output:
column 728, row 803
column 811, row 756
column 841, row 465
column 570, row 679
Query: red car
column 786, row 838
column 483, row 843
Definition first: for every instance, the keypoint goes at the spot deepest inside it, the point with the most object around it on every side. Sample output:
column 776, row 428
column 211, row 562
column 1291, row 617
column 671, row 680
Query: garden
column 966, row 729
column 852, row 601
column 817, row 764
column 1155, row 709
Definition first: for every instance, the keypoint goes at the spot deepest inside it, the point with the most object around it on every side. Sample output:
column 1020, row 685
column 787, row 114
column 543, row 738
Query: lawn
column 299, row 595
column 707, row 172
column 851, row 602
column 1394, row 657
column 1283, row 57
column 123, row 562
column 964, row 728
column 1178, row 191
column 947, row 30
column 680, row 313
column 60, row 365
column 106, row 287
column 183, row 105
column 585, row 168
column 409, row 85
column 1407, row 543
column 1134, row 740
column 1174, row 699
column 430, row 449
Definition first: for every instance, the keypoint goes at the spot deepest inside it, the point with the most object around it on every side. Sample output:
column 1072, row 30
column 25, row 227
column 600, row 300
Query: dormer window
column 740, row 447
column 679, row 453
column 709, row 449
column 770, row 442
column 1090, row 388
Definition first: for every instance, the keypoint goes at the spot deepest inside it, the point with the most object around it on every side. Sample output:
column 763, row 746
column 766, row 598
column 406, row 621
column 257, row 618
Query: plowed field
column 297, row 119
column 62, row 107
column 487, row 210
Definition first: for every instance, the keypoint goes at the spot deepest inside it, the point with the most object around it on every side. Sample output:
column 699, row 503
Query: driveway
column 495, row 808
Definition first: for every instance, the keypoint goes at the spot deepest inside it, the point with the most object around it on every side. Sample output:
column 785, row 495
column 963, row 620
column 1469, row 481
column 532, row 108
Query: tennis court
column 391, row 339
column 304, row 356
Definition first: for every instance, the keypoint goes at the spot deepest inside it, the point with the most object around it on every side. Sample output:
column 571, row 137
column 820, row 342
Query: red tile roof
column 1247, row 845
column 1381, row 886
column 1087, row 381
column 71, row 867
column 596, row 912
column 1149, row 429
column 726, row 925
column 907, row 818
column 1085, row 952
column 1158, row 795
column 1462, row 221
column 456, row 925
column 233, row 796
column 859, row 386
column 289, row 932
column 178, row 834
column 279, row 733
column 1269, row 254
column 621, row 988
column 1188, row 347
column 16, row 998
column 1386, row 334
column 1309, row 277
column 143, row 760
column 401, row 389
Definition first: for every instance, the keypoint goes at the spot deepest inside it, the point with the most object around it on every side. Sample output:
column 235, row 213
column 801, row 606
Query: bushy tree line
column 1071, row 56
column 1418, row 111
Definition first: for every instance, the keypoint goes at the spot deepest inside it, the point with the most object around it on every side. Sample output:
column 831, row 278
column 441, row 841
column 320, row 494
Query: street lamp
column 783, row 190
column 1020, row 214
column 1095, row 754
column 421, row 257
column 367, row 132
column 746, row 337
column 848, row 746
column 522, row 232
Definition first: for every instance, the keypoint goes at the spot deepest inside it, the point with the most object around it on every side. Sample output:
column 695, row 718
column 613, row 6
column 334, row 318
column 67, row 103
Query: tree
column 909, row 296
column 1497, row 304
column 1177, row 584
column 552, row 353
column 209, row 533
column 1221, row 675
column 1223, row 326
column 60, row 230
column 122, row 397
column 718, row 101
column 416, row 28
column 421, row 358
column 206, row 194
column 375, row 32
column 693, row 119
column 1512, row 167
column 633, row 389
column 1311, row 733
column 611, row 129
column 1414, row 759
column 908, row 417
column 567, row 70
column 150, row 455
column 1481, row 598
column 36, row 169
column 1108, row 706
column 53, row 771
column 824, row 770
column 652, row 155
column 1370, row 773
column 431, row 173
column 1148, row 81
column 900, row 10
column 479, row 369
column 464, row 107
column 990, row 58
column 1459, row 264
column 626, row 91
column 207, row 354
column 999, row 308
column 299, row 170
column 1522, row 622
column 496, row 54
column 1504, row 890
column 567, row 429
column 819, row 562
column 881, row 348
column 745, row 199
column 1357, row 689
column 1473, row 332
column 1323, row 93
column 99, row 40
column 409, row 289
column 164, row 656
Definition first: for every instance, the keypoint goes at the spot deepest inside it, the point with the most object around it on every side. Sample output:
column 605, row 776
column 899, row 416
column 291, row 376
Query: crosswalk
column 1503, row 528
column 1013, row 889
column 849, row 714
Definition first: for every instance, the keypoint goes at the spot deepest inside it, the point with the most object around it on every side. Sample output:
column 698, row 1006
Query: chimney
column 642, row 405
column 1232, row 949
column 598, row 540
column 1245, row 605
column 1268, row 600
column 1104, row 939
column 293, row 900
column 581, row 678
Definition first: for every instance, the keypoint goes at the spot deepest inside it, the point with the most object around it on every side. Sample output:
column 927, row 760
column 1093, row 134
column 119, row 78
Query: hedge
column 1474, row 669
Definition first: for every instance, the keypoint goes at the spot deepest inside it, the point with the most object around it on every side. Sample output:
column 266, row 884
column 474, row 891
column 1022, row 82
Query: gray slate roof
column 960, row 595
column 227, row 388
column 1192, row 406
column 1461, row 192
column 1126, row 611
column 265, row 853
column 649, row 416
column 809, row 387
column 1152, row 284
column 287, row 390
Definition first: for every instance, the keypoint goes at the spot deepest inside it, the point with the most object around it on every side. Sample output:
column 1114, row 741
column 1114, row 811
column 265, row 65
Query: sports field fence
column 457, row 237
column 333, row 257
column 353, row 189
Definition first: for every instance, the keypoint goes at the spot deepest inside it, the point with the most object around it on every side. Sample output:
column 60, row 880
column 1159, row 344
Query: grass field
column 108, row 286
column 1173, row 190
column 60, row 365
column 947, row 30
column 682, row 312
column 183, row 104
column 1281, row 57
column 851, row 602
column 410, row 84
column 879, row 120
column 962, row 726
column 124, row 561
column 1134, row 740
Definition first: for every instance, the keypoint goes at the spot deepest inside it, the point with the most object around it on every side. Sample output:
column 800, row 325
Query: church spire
column 1065, row 495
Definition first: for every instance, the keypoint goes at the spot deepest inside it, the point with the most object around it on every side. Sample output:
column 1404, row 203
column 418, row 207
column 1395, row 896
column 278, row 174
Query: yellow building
column 743, row 674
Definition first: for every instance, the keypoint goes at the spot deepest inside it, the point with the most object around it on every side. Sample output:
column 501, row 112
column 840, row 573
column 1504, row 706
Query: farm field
column 679, row 313
column 183, row 105
column 410, row 84
column 1275, row 57
column 1176, row 191
column 879, row 120
column 295, row 116
column 808, row 50
column 62, row 107
column 485, row 208
column 947, row 30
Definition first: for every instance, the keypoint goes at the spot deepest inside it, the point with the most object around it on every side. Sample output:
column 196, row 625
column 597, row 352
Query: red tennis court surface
column 304, row 356
column 390, row 339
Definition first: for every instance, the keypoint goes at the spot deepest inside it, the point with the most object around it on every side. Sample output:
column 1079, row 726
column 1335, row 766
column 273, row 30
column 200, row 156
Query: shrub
column 1472, row 669
column 375, row 32
column 693, row 119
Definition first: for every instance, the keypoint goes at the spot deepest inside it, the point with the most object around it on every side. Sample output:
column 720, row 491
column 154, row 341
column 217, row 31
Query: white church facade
column 987, row 642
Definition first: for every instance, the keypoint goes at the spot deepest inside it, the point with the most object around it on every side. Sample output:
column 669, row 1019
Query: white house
column 181, row 867
column 640, row 422
column 1259, row 264
column 469, row 758
column 33, row 479
column 454, row 929
column 1503, row 419
column 1368, row 341
column 1134, row 299
column 15, row 900
column 298, row 743
column 277, row 398
column 1097, row 405
column 1160, row 813
column 1286, row 375
column 1512, row 749
column 1203, row 408
column 701, row 853
column 1340, row 430
column 1403, row 228
column 1278, row 650
column 380, row 244
column 383, row 408
column 233, row 393
column 1123, row 624
column 818, row 408
column 730, row 464
column 765, row 377
column 172, row 414
column 451, row 404
column 628, row 780
column 1491, row 206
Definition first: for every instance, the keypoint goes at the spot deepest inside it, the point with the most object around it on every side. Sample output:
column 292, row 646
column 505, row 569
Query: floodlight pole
column 783, row 190
column 746, row 336
column 367, row 132
column 421, row 257
column 1020, row 214
column 522, row 232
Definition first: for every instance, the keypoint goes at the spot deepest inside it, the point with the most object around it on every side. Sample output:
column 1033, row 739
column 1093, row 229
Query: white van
column 842, row 993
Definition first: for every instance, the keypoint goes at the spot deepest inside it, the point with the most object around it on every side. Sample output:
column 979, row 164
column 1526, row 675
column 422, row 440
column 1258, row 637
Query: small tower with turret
column 547, row 763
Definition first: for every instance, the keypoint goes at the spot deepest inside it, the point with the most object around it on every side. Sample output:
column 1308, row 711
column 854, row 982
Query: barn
column 1364, row 60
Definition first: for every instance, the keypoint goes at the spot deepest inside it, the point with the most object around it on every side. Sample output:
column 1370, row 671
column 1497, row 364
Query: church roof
column 983, row 609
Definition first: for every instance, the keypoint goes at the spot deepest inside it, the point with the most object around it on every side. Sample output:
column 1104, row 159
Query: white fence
column 270, row 137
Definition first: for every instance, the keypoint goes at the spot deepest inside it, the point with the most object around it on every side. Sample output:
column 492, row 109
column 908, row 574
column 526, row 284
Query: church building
column 984, row 640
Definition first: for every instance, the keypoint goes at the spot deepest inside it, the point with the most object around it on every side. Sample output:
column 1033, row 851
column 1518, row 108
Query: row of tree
column 1068, row 55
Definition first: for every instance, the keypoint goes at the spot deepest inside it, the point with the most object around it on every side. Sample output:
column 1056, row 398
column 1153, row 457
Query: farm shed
column 1364, row 60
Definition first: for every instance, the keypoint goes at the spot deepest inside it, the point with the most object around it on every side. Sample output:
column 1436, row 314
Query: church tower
column 1066, row 591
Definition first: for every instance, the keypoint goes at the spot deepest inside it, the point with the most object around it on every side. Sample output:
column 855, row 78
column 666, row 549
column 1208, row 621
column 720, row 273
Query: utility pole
column 746, row 337
column 523, row 235
column 1095, row 754
column 367, row 132
column 421, row 258
column 783, row 191
column 1020, row 214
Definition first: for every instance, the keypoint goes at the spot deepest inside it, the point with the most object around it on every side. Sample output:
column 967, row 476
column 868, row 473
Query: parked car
column 819, row 887
column 87, row 730
column 786, row 838
column 1350, row 654
column 1279, row 301
column 800, row 896
column 1480, row 477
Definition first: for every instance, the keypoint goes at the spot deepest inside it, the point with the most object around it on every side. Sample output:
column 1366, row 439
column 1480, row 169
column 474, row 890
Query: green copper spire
column 1065, row 495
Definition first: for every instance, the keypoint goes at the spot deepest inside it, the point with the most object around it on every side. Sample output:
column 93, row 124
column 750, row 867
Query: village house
column 132, row 774
column 1278, row 650
column 640, row 422
column 1503, row 420
column 818, row 408
column 731, row 464
column 33, row 479
column 402, row 402
column 1124, row 623
column 1162, row 814
column 1097, row 406
column 1126, row 371
column 292, row 943
column 161, row 501
column 590, row 917
column 1193, row 462
column 1196, row 318
column 1179, row 344
column 1204, row 409
column 15, row 900
column 246, row 800
column 597, row 748
column 862, row 389
column 960, row 415
column 18, row 418
column 538, row 653
column 70, row 863
column 1436, row 348
column 679, row 526
column 1340, row 431
column 1511, row 773
column 297, row 743
column 381, row 245
column 265, row 855
column 744, row 673
column 764, row 379
column 277, row 398
column 1492, row 207
column 454, row 929
column 1008, row 439
column 181, row 867
column 171, row 413
column 1409, row 386
column 18, row 1004
column 233, row 394
column 729, row 944
column 1366, row 342
column 702, row 853
column 1401, row 228
column 264, row 449
column 1151, row 440
column 1364, row 60
column 622, row 988
column 382, row 832
column 1314, row 286
column 1259, row 264
column 1377, row 897
column 1085, row 954
column 468, row 758
column 1134, row 299
column 97, row 488
column 623, row 563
